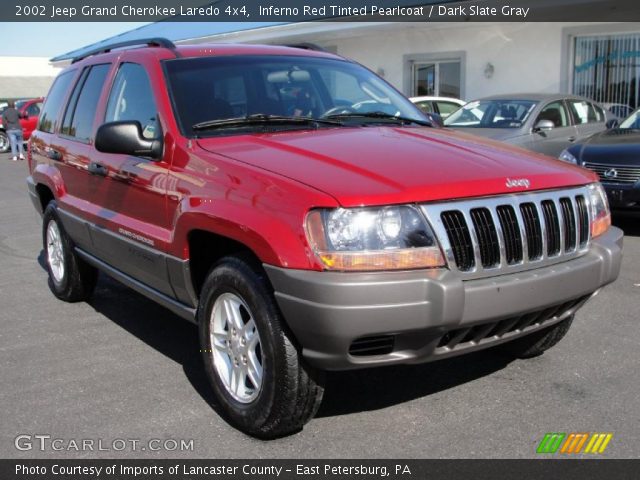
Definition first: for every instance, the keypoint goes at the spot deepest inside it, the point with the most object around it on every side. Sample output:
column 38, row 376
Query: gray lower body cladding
column 418, row 316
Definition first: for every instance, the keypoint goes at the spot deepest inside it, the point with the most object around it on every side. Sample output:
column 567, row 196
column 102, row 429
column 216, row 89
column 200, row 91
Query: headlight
column 565, row 156
column 600, row 214
column 365, row 239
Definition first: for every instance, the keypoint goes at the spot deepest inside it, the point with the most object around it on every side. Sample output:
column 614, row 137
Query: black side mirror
column 435, row 118
column 612, row 123
column 126, row 137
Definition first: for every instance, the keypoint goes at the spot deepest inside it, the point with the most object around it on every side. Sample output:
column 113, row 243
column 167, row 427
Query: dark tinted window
column 213, row 88
column 54, row 102
column 131, row 98
column 78, row 120
column 65, row 129
column 33, row 110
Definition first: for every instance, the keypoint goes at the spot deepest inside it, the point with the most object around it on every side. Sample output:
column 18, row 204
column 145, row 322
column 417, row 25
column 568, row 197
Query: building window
column 436, row 78
column 606, row 68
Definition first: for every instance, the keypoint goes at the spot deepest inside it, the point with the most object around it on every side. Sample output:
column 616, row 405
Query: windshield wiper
column 261, row 119
column 381, row 115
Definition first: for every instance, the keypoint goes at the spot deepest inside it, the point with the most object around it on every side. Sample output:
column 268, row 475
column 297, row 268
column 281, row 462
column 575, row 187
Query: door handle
column 54, row 154
column 572, row 139
column 98, row 169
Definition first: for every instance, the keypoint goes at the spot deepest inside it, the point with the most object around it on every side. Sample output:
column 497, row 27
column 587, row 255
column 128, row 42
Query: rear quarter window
column 53, row 103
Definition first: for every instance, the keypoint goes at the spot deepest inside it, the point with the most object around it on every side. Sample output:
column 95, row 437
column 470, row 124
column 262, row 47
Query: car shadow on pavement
column 630, row 225
column 346, row 392
column 373, row 389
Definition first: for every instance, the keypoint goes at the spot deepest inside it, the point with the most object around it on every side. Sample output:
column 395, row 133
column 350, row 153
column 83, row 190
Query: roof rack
column 306, row 46
column 150, row 42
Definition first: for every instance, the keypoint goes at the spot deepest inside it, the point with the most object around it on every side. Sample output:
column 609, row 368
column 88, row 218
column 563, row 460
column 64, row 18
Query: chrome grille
column 487, row 237
column 615, row 173
column 533, row 230
column 511, row 233
column 495, row 235
column 552, row 226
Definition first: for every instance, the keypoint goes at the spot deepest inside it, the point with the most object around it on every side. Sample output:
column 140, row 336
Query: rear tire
column 258, row 375
column 70, row 278
column 536, row 343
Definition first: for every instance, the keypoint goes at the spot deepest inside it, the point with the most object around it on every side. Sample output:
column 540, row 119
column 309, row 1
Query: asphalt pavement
column 122, row 368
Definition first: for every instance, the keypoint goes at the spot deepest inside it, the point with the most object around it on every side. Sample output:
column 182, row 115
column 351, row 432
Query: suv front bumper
column 432, row 314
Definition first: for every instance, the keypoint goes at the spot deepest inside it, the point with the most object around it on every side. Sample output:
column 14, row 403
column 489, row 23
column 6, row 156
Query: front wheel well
column 206, row 248
column 45, row 195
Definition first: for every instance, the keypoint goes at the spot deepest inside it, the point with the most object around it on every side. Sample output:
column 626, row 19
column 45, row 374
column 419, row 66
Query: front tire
column 536, row 343
column 70, row 278
column 257, row 374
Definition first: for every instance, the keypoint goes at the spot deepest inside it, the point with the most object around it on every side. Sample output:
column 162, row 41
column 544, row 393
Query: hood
column 387, row 165
column 492, row 133
column 617, row 147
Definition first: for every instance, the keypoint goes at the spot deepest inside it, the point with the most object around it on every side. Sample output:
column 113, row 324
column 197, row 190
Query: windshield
column 632, row 121
column 208, row 89
column 491, row 114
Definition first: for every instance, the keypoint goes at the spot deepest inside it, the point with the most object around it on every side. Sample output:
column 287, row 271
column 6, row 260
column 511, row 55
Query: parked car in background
column 540, row 122
column 620, row 110
column 30, row 111
column 615, row 156
column 443, row 106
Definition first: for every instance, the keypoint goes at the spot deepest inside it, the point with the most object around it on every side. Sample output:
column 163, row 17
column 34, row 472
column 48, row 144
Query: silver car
column 540, row 122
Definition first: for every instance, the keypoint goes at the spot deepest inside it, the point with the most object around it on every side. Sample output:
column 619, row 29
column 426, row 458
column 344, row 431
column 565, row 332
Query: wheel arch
column 45, row 195
column 207, row 247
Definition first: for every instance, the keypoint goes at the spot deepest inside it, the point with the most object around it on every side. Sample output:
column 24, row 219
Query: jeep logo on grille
column 518, row 182
column 611, row 173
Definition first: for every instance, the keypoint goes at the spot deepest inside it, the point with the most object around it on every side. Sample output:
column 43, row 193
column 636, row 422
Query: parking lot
column 121, row 367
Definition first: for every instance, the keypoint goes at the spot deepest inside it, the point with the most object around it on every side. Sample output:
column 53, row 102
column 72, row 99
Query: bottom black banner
column 319, row 469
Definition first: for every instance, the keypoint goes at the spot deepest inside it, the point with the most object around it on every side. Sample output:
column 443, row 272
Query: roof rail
column 306, row 46
column 151, row 42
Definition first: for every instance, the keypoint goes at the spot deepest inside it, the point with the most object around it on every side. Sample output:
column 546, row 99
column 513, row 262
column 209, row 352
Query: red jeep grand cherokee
column 307, row 217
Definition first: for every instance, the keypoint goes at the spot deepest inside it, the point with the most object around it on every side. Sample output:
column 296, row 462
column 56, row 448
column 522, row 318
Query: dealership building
column 466, row 59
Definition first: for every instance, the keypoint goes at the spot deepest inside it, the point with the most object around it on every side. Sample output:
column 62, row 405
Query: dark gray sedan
column 545, row 123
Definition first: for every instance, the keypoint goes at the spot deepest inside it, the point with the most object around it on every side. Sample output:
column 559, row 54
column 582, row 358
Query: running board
column 188, row 313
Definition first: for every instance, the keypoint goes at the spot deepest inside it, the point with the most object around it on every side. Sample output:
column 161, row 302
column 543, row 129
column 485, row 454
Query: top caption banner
column 318, row 10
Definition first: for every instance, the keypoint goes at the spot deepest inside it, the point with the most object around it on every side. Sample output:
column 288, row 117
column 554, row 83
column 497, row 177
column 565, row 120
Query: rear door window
column 131, row 99
column 583, row 112
column 53, row 103
column 78, row 119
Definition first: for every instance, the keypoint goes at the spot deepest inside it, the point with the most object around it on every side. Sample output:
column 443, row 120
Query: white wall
column 26, row 77
column 526, row 57
column 27, row 67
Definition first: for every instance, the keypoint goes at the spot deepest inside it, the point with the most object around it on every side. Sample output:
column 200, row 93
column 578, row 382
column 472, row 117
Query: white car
column 443, row 106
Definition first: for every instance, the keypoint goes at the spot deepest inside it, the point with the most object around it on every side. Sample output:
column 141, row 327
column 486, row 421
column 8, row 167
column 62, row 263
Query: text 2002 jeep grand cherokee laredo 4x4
column 295, row 206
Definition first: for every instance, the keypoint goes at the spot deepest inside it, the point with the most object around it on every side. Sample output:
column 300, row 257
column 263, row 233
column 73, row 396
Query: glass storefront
column 438, row 78
column 606, row 68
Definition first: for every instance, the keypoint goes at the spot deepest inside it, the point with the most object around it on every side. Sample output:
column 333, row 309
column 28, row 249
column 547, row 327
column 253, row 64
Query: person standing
column 11, row 121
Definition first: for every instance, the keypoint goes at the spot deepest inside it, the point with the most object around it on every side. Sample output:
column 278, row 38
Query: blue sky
column 44, row 39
